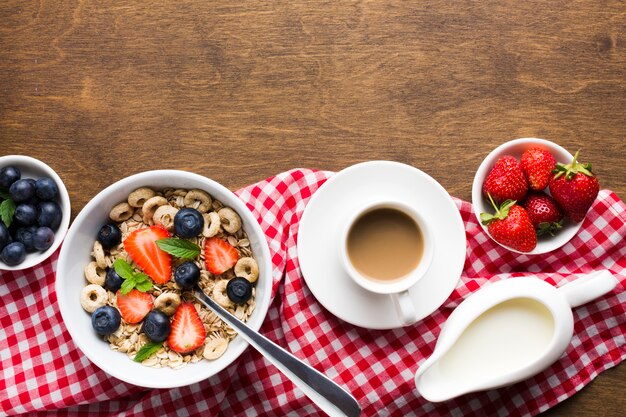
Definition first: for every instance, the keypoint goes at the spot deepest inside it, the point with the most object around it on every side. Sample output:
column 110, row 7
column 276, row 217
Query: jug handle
column 588, row 287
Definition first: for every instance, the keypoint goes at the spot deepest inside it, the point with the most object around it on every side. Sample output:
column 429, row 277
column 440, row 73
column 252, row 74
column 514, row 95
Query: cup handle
column 404, row 307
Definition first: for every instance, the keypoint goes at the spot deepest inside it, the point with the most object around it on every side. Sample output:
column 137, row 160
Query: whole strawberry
column 510, row 226
column 544, row 213
column 575, row 188
column 537, row 165
column 506, row 181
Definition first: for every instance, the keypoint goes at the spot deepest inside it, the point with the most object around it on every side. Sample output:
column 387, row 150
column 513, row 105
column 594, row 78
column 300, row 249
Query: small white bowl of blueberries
column 34, row 212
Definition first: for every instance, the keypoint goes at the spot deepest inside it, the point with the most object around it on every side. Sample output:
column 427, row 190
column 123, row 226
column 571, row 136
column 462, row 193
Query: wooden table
column 238, row 92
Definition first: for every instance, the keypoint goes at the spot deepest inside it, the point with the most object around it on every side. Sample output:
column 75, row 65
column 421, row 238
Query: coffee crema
column 385, row 244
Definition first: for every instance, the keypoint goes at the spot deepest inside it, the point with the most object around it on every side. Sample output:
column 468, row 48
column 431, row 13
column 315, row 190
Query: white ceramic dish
column 34, row 168
column 331, row 207
column 516, row 148
column 75, row 254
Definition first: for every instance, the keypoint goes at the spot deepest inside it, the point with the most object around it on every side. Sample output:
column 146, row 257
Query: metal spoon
column 330, row 397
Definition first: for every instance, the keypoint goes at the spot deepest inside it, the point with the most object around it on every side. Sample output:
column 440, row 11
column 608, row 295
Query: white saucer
column 325, row 216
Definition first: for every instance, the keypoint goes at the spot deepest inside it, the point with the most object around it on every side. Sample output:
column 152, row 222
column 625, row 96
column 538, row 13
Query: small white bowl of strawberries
column 531, row 195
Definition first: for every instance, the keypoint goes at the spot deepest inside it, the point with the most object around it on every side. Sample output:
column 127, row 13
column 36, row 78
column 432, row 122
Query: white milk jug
column 504, row 333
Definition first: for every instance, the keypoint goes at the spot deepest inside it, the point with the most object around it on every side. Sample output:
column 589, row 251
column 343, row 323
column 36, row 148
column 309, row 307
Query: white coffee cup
column 396, row 288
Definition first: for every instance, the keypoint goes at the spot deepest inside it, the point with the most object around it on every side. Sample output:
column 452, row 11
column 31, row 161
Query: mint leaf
column 7, row 210
column 123, row 268
column 140, row 276
column 4, row 194
column 143, row 286
column 147, row 350
column 132, row 279
column 127, row 285
column 180, row 248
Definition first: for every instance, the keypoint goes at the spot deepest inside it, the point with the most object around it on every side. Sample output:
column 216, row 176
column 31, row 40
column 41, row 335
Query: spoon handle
column 330, row 397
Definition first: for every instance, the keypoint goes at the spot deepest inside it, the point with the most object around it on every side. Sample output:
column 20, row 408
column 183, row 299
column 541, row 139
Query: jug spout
column 588, row 287
column 435, row 387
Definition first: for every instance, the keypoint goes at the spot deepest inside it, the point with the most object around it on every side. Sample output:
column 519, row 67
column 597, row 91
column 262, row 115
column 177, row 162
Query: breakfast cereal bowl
column 516, row 148
column 34, row 168
column 76, row 253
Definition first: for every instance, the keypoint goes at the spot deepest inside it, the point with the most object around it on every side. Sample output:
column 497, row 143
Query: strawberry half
column 510, row 226
column 187, row 332
column 506, row 180
column 575, row 188
column 142, row 249
column 537, row 164
column 219, row 255
column 135, row 305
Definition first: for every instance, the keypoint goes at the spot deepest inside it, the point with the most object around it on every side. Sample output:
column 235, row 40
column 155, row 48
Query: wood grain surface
column 238, row 91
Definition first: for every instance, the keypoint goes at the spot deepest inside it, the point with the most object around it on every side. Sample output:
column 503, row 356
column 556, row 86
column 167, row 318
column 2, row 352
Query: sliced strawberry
column 187, row 332
column 144, row 252
column 219, row 255
column 135, row 305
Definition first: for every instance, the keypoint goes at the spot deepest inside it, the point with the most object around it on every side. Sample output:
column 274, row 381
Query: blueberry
column 109, row 236
column 13, row 253
column 33, row 201
column 105, row 320
column 22, row 191
column 5, row 236
column 26, row 236
column 49, row 214
column 43, row 238
column 25, row 214
column 13, row 229
column 187, row 275
column 46, row 188
column 112, row 281
column 239, row 290
column 8, row 175
column 157, row 326
column 188, row 222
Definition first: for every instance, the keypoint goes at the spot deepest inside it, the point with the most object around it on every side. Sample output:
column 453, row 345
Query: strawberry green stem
column 501, row 212
column 546, row 228
column 572, row 168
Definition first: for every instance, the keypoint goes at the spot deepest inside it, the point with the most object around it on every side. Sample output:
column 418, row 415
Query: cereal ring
column 98, row 254
column 212, row 224
column 196, row 195
column 167, row 303
column 247, row 268
column 231, row 222
column 138, row 197
column 214, row 348
column 121, row 212
column 219, row 294
column 94, row 274
column 92, row 297
column 164, row 216
column 150, row 206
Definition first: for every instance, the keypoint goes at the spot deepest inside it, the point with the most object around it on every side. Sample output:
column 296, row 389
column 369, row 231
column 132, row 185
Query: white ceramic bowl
column 75, row 254
column 34, row 168
column 516, row 148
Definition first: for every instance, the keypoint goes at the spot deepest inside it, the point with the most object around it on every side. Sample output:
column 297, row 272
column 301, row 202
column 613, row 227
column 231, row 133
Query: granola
column 146, row 207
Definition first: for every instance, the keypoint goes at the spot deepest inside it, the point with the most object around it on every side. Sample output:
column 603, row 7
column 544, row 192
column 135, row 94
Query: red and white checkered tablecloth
column 43, row 371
